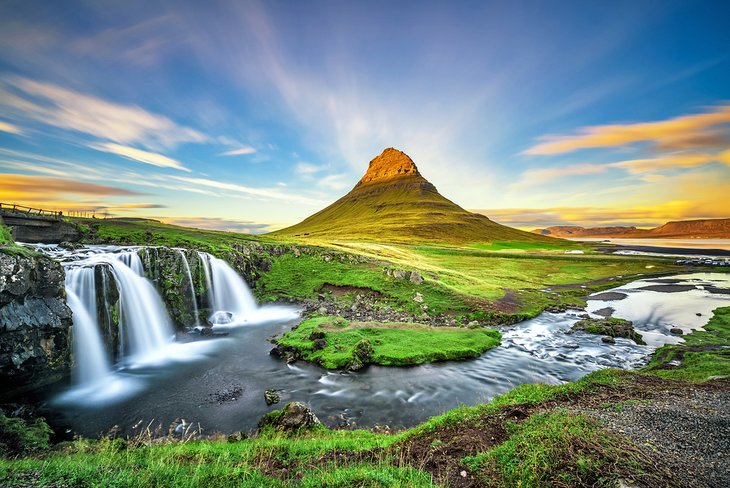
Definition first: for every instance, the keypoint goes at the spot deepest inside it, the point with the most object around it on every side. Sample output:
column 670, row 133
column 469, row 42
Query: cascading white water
column 133, row 261
column 229, row 292
column 205, row 261
column 142, row 315
column 192, row 286
column 92, row 363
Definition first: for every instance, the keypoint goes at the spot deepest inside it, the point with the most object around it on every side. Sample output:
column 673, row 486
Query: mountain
column 682, row 229
column 393, row 202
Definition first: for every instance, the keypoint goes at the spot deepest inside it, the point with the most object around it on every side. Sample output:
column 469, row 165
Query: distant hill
column 682, row 229
column 392, row 202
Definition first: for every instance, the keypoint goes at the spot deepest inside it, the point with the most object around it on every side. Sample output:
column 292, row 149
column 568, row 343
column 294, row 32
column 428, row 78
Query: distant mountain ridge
column 393, row 202
column 699, row 229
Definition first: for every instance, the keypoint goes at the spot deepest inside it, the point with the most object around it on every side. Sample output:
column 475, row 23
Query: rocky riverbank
column 35, row 323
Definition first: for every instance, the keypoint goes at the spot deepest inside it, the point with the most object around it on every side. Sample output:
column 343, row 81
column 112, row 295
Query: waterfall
column 205, row 262
column 142, row 315
column 132, row 260
column 192, row 286
column 228, row 292
column 92, row 363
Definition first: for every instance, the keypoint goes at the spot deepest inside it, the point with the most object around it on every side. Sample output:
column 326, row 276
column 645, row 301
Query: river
column 218, row 382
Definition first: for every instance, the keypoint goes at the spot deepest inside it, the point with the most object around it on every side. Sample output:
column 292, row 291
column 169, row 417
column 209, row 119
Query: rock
column 416, row 278
column 319, row 344
column 71, row 246
column 362, row 353
column 294, row 417
column 608, row 340
column 318, row 334
column 237, row 437
column 322, row 310
column 571, row 345
column 613, row 327
column 271, row 397
column 400, row 274
column 418, row 298
column 35, row 323
column 676, row 331
column 698, row 314
column 473, row 323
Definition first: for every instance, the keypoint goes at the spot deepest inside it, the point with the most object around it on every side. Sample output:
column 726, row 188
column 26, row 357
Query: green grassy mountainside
column 394, row 203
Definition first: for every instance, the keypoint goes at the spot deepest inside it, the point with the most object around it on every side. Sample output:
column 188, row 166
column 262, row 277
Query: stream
column 219, row 381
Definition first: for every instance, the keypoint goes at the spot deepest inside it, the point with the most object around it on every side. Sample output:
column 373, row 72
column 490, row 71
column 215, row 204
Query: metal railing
column 14, row 209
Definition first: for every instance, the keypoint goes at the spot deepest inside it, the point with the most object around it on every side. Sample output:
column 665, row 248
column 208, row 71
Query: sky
column 250, row 116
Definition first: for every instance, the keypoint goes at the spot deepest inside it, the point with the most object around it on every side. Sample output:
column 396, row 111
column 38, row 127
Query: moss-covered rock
column 294, row 417
column 612, row 327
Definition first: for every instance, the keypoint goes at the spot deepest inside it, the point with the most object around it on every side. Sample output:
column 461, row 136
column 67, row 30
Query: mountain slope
column 392, row 202
column 705, row 228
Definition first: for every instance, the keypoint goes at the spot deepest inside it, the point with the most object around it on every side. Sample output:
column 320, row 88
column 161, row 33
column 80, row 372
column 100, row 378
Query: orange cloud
column 13, row 184
column 679, row 132
column 642, row 216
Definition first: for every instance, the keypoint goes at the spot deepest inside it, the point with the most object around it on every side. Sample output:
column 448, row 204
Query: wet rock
column 271, row 397
column 294, row 417
column 612, row 327
column 362, row 353
column 71, row 246
column 608, row 340
column 676, row 331
column 35, row 323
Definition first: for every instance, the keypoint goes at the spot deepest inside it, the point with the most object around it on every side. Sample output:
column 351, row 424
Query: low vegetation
column 336, row 343
column 704, row 354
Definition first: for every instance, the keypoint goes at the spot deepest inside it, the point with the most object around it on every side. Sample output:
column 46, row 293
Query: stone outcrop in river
column 35, row 323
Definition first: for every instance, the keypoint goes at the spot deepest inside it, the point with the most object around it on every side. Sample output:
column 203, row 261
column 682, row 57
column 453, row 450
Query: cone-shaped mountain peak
column 391, row 164
column 393, row 202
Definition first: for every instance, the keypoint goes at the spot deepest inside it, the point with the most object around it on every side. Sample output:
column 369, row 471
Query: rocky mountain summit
column 393, row 202
column 391, row 164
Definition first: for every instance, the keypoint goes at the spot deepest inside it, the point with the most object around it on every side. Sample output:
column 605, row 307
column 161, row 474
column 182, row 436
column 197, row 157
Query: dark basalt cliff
column 35, row 323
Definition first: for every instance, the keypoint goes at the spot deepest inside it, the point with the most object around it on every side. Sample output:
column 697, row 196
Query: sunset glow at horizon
column 250, row 116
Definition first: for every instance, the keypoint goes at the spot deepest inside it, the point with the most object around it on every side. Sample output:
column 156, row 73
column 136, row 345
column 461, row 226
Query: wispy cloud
column 241, row 151
column 334, row 182
column 677, row 133
column 141, row 156
column 649, row 168
column 10, row 128
column 309, row 169
column 538, row 176
column 264, row 193
column 50, row 104
column 215, row 223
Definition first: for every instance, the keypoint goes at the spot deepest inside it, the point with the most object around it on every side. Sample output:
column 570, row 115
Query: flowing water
column 219, row 381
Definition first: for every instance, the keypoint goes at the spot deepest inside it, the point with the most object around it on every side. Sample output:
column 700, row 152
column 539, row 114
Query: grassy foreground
column 529, row 438
column 337, row 343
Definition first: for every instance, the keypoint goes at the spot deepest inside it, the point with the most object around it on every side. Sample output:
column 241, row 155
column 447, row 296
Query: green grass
column 150, row 233
column 392, row 344
column 268, row 460
column 704, row 354
column 18, row 436
column 408, row 210
column 556, row 245
column 557, row 449
column 5, row 237
column 303, row 277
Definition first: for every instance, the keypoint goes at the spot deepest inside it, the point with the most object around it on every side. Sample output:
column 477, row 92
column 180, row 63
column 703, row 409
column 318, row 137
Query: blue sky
column 252, row 115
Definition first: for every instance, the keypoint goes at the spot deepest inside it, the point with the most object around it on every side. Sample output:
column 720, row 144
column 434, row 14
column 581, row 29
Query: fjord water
column 219, row 382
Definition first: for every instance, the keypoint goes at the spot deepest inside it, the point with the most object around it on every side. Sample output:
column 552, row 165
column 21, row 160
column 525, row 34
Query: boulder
column 294, row 417
column 612, row 327
column 271, row 397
